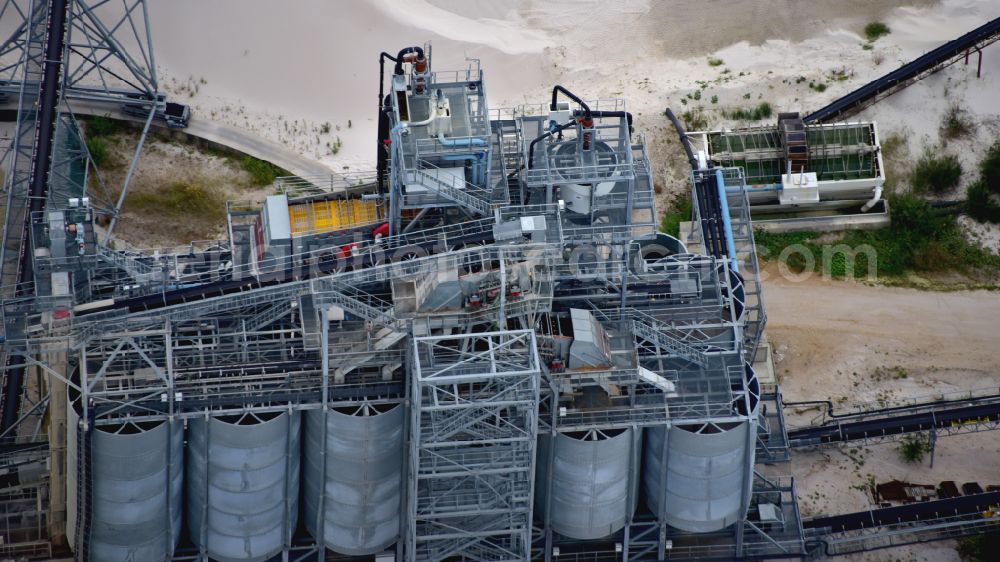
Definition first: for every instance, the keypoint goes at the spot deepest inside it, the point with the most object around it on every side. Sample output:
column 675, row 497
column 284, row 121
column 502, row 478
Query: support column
column 57, row 450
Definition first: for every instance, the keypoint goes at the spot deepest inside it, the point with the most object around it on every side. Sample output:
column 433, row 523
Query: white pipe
column 429, row 120
column 875, row 199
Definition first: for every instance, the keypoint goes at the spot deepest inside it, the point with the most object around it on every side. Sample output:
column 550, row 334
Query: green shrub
column 918, row 238
column 989, row 169
column 679, row 211
column 101, row 126
column 936, row 174
column 913, row 448
column 694, row 120
column 98, row 150
column 983, row 205
column 261, row 172
column 714, row 61
column 956, row 124
column 876, row 29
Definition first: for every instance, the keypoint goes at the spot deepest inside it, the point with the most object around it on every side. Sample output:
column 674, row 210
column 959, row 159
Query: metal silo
column 362, row 486
column 705, row 472
column 243, row 484
column 136, row 486
column 591, row 482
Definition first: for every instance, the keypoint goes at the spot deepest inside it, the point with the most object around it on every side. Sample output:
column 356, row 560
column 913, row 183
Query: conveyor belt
column 920, row 511
column 47, row 118
column 903, row 76
column 897, row 421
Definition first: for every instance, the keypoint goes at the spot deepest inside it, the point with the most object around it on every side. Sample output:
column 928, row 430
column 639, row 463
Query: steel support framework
column 474, row 403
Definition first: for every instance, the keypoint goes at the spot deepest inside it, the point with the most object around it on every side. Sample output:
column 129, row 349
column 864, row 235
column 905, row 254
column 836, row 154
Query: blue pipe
column 477, row 168
column 460, row 142
column 730, row 245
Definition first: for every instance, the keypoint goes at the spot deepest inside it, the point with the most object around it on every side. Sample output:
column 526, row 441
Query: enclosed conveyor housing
column 243, row 484
column 357, row 498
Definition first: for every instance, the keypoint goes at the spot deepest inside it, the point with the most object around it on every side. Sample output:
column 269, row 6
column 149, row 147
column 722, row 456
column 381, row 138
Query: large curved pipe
column 875, row 199
column 684, row 138
column 531, row 147
column 402, row 53
column 555, row 95
column 623, row 114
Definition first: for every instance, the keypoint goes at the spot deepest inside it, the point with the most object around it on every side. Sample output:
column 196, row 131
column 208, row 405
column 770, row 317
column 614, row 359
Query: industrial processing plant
column 483, row 349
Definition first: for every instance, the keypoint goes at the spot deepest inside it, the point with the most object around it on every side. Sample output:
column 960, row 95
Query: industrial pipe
column 724, row 211
column 684, row 139
column 624, row 114
column 875, row 199
column 460, row 142
column 402, row 53
column 555, row 95
column 531, row 147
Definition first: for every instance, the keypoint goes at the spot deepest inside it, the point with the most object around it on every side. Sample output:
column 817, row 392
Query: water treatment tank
column 137, row 480
column 363, row 483
column 243, row 484
column 593, row 482
column 705, row 471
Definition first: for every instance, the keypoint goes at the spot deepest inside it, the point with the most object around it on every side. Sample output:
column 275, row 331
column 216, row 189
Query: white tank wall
column 243, row 485
column 704, row 478
column 592, row 483
column 363, row 483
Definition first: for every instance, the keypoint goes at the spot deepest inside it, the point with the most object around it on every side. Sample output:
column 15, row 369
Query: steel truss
column 474, row 403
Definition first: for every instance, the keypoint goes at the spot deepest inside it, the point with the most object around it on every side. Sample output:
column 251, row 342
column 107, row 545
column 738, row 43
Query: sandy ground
column 861, row 347
column 305, row 74
column 162, row 164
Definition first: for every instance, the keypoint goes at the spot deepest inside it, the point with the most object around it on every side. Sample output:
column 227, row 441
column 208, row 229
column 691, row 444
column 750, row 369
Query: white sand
column 283, row 69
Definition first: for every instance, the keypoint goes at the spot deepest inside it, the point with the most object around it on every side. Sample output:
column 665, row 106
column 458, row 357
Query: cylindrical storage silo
column 592, row 481
column 243, row 484
column 135, row 491
column 705, row 474
column 362, row 488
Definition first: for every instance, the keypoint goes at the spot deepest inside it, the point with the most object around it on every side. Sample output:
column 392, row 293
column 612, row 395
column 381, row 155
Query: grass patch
column 979, row 548
column 261, row 172
column 678, row 212
column 762, row 111
column 818, row 86
column 956, row 124
column 98, row 149
column 190, row 200
column 99, row 126
column 876, row 29
column 694, row 120
column 712, row 61
column 919, row 238
column 936, row 173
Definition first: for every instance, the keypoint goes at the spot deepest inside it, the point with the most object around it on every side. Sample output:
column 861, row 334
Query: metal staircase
column 472, row 447
column 456, row 190
column 662, row 342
